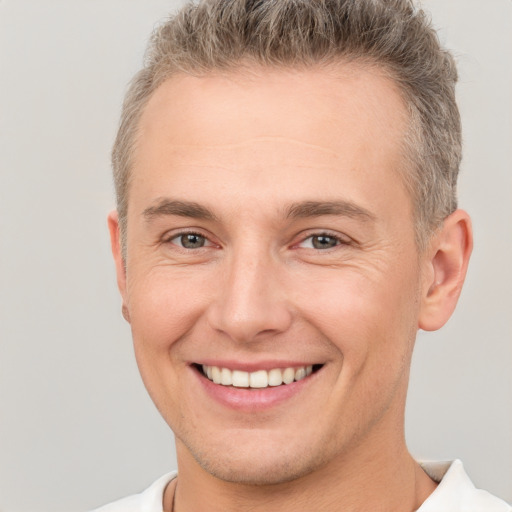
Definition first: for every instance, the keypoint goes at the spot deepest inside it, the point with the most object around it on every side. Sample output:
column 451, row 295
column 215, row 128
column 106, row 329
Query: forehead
column 268, row 126
column 202, row 110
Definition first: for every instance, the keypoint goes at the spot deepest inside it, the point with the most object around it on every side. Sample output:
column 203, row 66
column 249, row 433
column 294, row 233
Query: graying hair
column 395, row 35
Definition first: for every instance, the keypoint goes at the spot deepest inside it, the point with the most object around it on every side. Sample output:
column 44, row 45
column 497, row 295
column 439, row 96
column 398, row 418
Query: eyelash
column 171, row 239
column 208, row 243
column 339, row 241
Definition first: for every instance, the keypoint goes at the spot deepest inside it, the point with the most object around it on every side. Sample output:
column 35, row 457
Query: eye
column 190, row 241
column 321, row 241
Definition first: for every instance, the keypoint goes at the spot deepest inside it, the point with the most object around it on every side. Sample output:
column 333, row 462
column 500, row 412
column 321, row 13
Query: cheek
column 164, row 307
column 368, row 316
column 163, row 312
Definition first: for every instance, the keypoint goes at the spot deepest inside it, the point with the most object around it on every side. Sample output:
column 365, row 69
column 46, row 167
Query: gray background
column 76, row 427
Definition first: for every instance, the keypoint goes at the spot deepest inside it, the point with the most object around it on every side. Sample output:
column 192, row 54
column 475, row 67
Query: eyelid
column 340, row 238
column 169, row 236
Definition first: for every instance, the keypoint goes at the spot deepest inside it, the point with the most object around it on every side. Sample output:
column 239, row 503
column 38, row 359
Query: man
column 285, row 175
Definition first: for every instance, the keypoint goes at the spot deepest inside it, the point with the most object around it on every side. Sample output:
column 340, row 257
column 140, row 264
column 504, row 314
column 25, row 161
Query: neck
column 383, row 479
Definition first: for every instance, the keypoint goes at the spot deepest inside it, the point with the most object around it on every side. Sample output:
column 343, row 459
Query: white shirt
column 455, row 493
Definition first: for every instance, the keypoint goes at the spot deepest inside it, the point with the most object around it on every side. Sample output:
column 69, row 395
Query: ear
column 117, row 253
column 446, row 266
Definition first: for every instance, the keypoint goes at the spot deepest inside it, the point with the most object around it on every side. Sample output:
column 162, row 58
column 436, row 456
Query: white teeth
column 225, row 377
column 257, row 379
column 288, row 375
column 240, row 379
column 275, row 377
column 216, row 376
column 300, row 373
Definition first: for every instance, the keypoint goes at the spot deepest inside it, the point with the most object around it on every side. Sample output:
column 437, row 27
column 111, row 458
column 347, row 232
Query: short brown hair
column 395, row 35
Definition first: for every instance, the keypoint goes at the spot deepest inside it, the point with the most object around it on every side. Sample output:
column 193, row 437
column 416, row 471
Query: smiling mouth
column 259, row 379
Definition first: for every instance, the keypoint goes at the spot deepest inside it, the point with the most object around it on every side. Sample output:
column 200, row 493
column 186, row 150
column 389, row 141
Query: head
column 394, row 36
column 285, row 175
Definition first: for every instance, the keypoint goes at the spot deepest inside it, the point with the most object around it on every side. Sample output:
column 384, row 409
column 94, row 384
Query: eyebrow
column 303, row 209
column 320, row 208
column 179, row 208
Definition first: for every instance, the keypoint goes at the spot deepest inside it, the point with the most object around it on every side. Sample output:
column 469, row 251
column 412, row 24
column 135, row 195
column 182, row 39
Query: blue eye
column 190, row 241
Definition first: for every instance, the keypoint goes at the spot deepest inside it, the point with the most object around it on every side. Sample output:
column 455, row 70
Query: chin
column 257, row 466
column 259, row 474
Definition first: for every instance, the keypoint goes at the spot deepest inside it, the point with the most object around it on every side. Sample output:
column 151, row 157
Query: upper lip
column 252, row 366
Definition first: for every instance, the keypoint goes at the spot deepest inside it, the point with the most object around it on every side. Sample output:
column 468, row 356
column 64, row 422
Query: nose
column 251, row 302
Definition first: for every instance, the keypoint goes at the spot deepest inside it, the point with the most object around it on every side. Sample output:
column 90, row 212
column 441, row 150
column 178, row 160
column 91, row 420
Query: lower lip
column 253, row 399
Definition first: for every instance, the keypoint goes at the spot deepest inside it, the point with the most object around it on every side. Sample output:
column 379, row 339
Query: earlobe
column 447, row 265
column 117, row 253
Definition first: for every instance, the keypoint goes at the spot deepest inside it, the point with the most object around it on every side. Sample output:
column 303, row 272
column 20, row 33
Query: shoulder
column 456, row 492
column 148, row 501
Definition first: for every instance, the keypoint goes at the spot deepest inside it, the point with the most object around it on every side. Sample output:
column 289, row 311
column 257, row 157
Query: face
column 272, row 277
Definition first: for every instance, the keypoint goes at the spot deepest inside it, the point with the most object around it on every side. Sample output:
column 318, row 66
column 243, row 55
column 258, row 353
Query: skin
column 253, row 150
